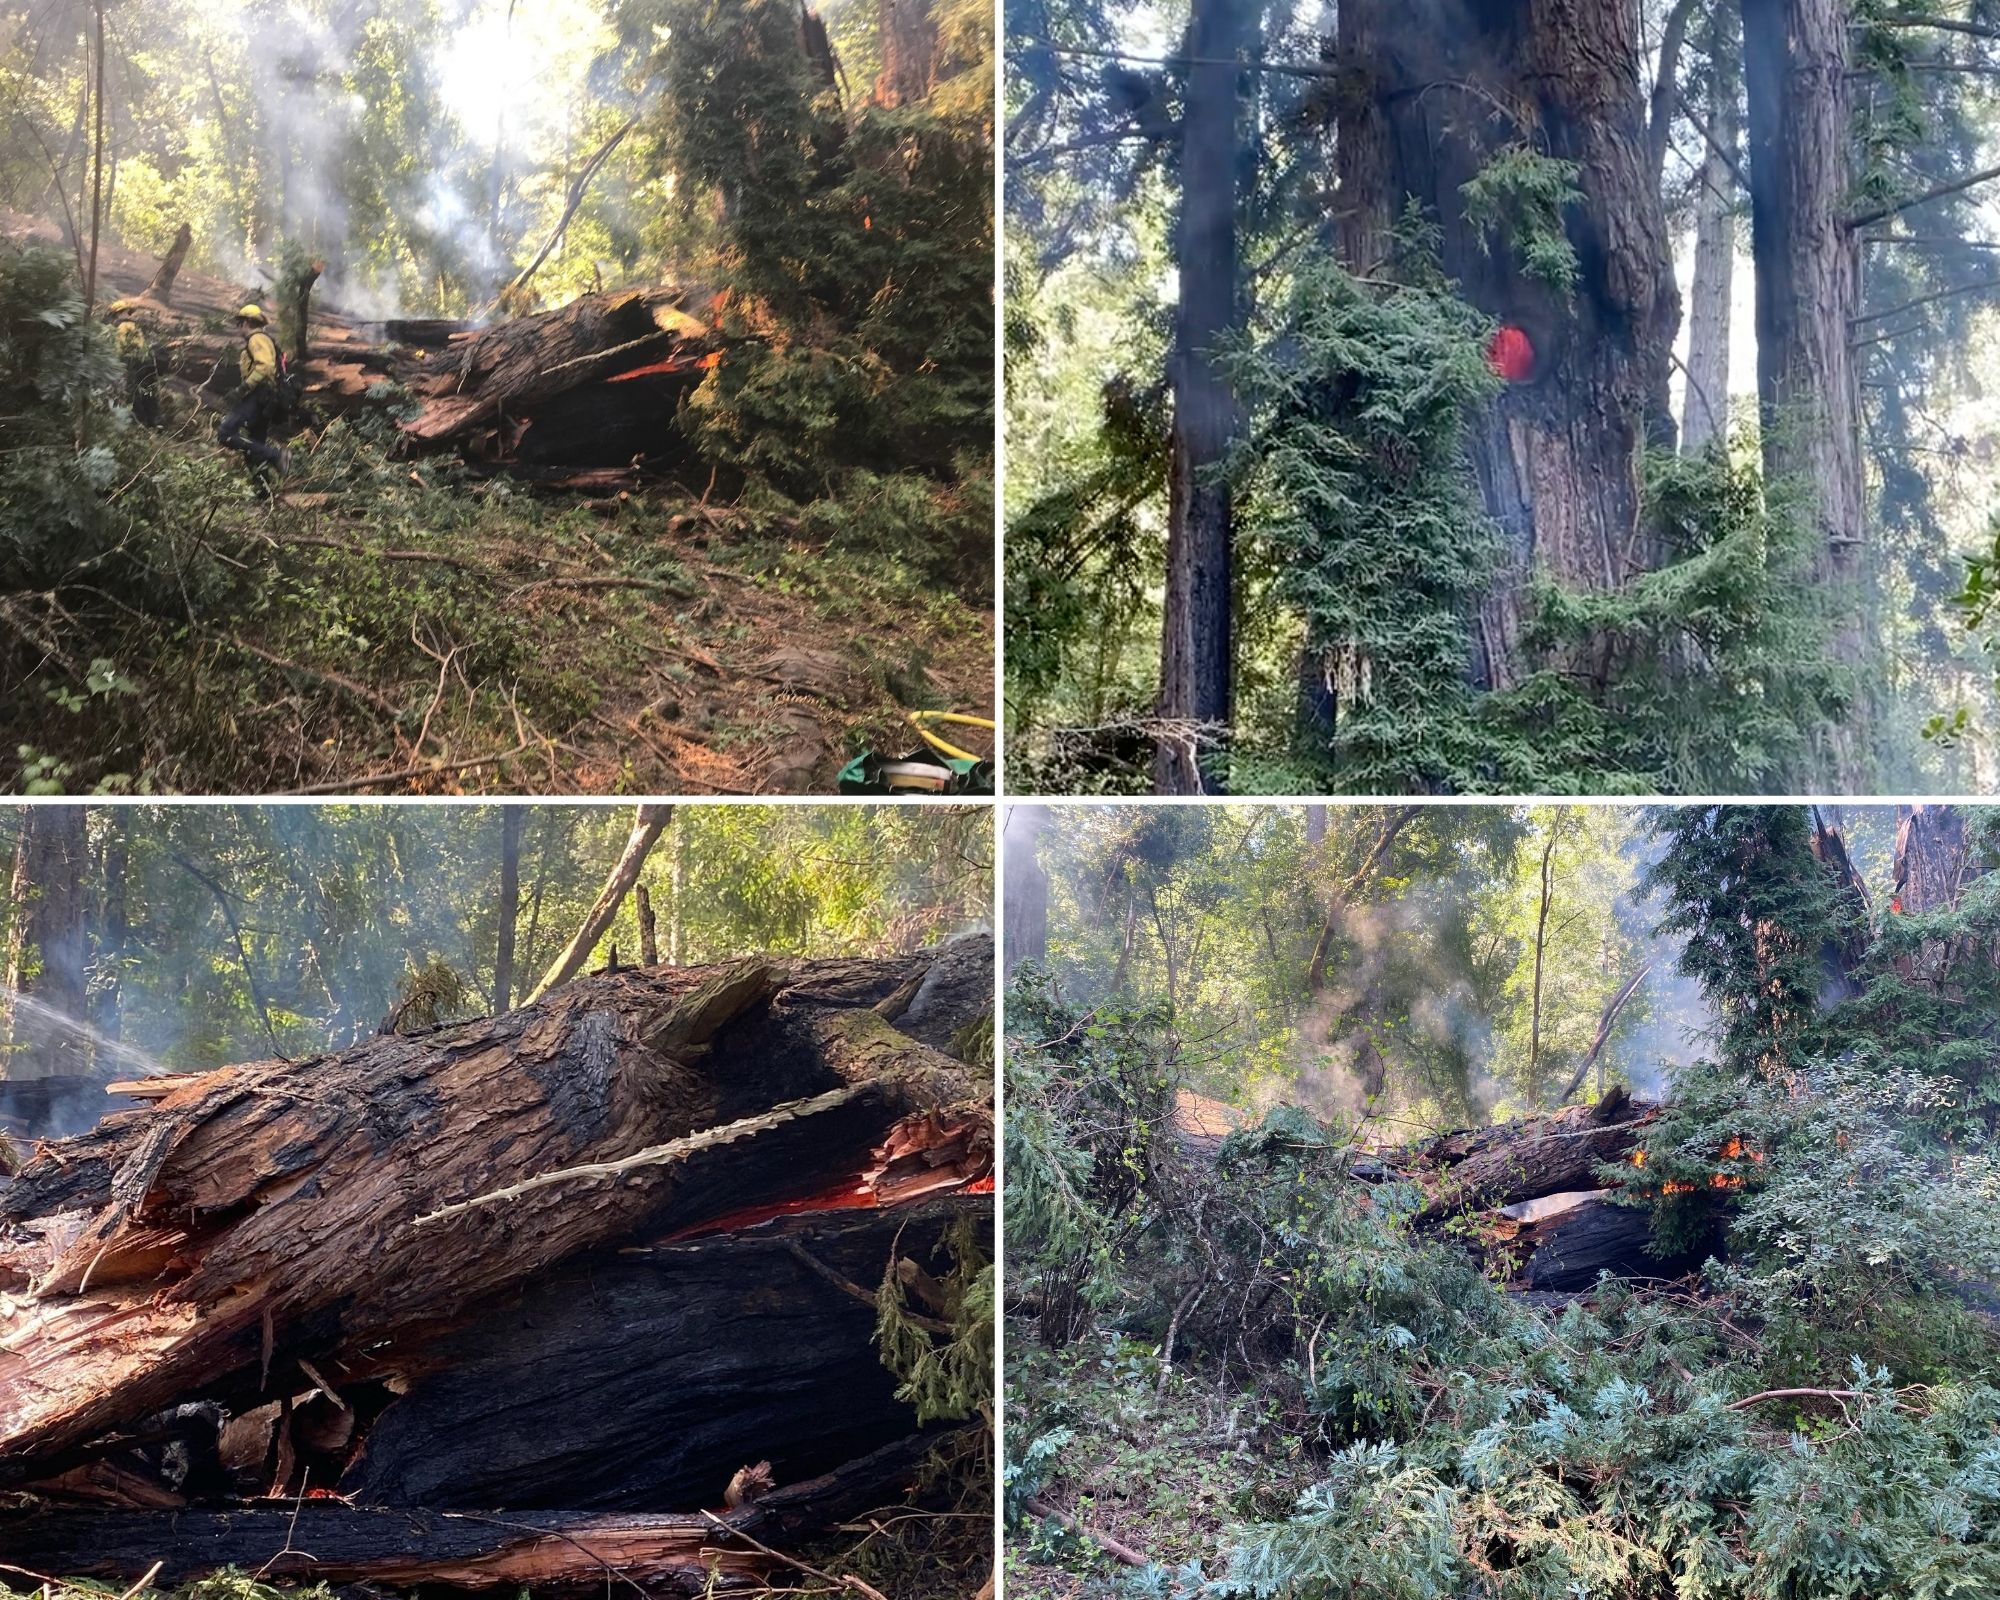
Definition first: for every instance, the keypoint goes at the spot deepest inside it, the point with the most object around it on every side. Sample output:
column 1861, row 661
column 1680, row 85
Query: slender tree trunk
column 646, row 830
column 162, row 286
column 113, row 927
column 1541, row 949
column 1196, row 654
column 649, row 926
column 676, row 910
column 511, row 818
column 1027, row 890
column 1705, row 404
column 1431, row 95
column 1808, row 273
column 46, row 946
column 97, row 180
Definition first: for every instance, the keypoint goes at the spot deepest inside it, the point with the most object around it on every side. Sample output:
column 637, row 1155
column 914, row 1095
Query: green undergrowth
column 165, row 625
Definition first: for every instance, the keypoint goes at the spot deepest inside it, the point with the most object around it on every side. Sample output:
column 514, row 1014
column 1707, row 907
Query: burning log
column 1561, row 1243
column 348, row 1215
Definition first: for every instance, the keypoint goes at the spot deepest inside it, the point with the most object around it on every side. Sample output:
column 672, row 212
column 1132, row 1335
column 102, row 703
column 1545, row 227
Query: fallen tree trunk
column 287, row 1216
column 1562, row 1243
column 328, row 1541
column 1526, row 1160
column 515, row 365
column 648, row 1379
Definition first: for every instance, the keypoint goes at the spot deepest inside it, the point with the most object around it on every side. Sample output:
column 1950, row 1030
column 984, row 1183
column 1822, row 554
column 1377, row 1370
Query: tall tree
column 1196, row 654
column 1521, row 129
column 1705, row 405
column 47, row 946
column 1808, row 267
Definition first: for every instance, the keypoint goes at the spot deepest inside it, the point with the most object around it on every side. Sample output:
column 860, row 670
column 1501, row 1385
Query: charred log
column 328, row 1541
column 1527, row 1160
column 263, row 1217
column 646, row 1379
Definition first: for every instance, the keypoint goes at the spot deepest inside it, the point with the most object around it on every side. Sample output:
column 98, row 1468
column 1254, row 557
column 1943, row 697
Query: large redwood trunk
column 339, row 1215
column 1808, row 265
column 909, row 53
column 1196, row 653
column 1428, row 96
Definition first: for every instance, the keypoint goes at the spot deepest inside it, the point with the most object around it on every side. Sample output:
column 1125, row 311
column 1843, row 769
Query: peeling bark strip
column 265, row 1213
column 1427, row 96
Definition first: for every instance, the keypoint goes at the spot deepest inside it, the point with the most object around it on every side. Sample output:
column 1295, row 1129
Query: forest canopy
column 1501, row 398
column 146, row 938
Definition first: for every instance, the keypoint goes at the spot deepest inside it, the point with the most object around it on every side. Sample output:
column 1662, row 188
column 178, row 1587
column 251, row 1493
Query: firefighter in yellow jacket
column 142, row 367
column 262, row 401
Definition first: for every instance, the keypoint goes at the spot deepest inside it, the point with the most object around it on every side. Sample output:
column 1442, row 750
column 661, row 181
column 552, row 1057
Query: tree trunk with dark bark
column 162, row 286
column 1808, row 273
column 47, row 947
column 909, row 53
column 327, row 1541
column 1197, row 658
column 509, row 909
column 1429, row 96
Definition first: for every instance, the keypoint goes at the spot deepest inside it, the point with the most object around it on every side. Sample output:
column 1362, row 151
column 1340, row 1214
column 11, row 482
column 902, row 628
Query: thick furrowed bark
column 268, row 1213
column 1557, row 456
column 1197, row 657
column 1808, row 277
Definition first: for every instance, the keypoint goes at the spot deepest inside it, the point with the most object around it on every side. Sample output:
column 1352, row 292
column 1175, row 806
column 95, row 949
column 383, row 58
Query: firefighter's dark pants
column 252, row 416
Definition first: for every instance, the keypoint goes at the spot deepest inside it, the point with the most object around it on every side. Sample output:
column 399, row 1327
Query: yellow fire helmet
column 252, row 313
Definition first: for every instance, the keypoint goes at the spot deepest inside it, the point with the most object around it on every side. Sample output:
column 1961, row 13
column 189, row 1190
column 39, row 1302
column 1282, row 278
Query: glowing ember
column 852, row 1194
column 668, row 365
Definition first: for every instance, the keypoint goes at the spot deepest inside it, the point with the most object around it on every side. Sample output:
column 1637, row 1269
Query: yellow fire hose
column 944, row 746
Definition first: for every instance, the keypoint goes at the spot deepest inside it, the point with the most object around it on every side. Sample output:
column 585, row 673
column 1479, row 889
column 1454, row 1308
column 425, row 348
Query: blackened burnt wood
column 649, row 1377
column 1569, row 1250
column 269, row 1212
column 327, row 1541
